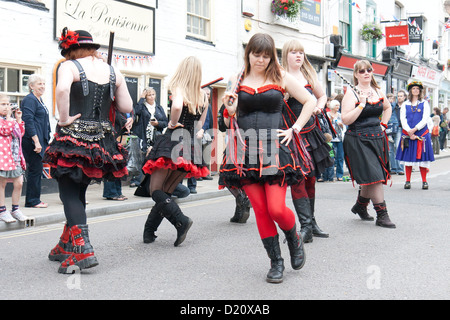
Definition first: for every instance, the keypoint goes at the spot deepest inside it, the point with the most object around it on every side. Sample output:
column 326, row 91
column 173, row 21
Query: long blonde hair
column 307, row 69
column 187, row 79
column 361, row 64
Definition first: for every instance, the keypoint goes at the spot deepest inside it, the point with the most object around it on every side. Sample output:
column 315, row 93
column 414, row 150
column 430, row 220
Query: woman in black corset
column 261, row 157
column 84, row 146
column 303, row 194
column 177, row 154
column 366, row 149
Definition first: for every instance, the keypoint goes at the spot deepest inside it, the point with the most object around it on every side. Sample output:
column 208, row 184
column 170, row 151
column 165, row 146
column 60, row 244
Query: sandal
column 117, row 198
column 41, row 205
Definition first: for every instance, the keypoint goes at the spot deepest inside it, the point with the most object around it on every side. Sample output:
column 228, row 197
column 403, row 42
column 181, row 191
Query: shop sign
column 133, row 24
column 426, row 74
column 415, row 25
column 397, row 36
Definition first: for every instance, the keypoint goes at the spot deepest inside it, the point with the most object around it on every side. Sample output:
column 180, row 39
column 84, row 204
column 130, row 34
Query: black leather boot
column 272, row 246
column 296, row 250
column 242, row 211
column 360, row 208
column 303, row 209
column 173, row 213
column 154, row 219
column 382, row 216
column 317, row 232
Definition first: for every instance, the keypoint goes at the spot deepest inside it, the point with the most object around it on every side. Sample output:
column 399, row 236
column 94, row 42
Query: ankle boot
column 317, row 232
column 64, row 248
column 242, row 211
column 82, row 256
column 360, row 208
column 296, row 250
column 382, row 216
column 154, row 219
column 172, row 212
column 303, row 209
column 272, row 246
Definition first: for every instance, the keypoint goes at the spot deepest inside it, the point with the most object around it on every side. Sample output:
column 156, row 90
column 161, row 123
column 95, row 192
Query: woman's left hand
column 287, row 134
column 69, row 121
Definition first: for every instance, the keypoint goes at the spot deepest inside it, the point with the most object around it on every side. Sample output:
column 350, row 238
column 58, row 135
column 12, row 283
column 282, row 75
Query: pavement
column 99, row 206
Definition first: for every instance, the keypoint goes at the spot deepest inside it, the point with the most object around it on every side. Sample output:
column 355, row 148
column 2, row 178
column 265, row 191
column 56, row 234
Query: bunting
column 126, row 59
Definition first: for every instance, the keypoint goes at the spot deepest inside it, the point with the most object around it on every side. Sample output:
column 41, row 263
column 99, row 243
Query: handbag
column 435, row 131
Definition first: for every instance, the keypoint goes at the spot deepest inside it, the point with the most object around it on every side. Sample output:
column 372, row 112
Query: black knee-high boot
column 296, row 249
column 303, row 210
column 172, row 212
column 154, row 219
column 272, row 246
column 242, row 211
column 382, row 216
column 317, row 232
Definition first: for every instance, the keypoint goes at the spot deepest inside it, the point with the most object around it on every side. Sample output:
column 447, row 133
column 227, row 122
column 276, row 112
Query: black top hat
column 75, row 39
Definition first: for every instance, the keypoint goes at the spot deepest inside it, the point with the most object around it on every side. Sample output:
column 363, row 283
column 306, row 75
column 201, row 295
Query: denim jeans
column 328, row 174
column 396, row 166
column 112, row 189
column 339, row 158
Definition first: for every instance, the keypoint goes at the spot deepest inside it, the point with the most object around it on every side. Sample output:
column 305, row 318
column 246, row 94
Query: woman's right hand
column 226, row 100
column 69, row 121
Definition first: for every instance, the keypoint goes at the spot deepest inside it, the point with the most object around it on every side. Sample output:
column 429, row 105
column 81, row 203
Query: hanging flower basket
column 286, row 8
column 371, row 32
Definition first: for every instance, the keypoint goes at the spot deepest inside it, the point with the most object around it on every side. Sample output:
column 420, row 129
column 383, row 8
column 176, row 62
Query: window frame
column 208, row 25
column 17, row 96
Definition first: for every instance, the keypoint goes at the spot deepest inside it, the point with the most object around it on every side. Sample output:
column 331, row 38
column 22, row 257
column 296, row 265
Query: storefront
column 431, row 80
column 344, row 66
column 400, row 74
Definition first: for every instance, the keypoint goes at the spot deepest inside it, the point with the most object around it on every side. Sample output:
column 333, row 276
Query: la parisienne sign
column 133, row 24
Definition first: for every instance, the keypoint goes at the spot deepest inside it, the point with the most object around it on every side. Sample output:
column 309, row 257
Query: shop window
column 199, row 19
column 345, row 23
column 14, row 82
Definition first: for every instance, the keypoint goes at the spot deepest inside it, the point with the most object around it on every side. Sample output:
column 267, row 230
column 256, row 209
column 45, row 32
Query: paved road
column 220, row 260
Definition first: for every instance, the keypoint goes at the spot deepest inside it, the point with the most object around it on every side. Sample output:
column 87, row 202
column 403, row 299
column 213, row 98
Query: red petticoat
column 180, row 164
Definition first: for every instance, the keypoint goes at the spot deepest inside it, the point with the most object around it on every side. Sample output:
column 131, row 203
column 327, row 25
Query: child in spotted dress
column 12, row 162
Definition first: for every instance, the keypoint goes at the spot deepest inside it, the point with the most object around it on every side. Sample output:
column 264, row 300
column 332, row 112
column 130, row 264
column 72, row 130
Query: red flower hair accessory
column 68, row 38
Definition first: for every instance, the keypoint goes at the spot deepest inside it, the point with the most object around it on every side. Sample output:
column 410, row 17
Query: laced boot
column 64, row 248
column 153, row 221
column 296, row 250
column 382, row 216
column 242, row 211
column 172, row 212
column 272, row 246
column 82, row 256
column 317, row 232
column 360, row 208
column 303, row 209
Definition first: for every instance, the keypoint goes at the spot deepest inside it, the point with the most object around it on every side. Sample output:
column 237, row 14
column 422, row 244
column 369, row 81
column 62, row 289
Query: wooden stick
column 347, row 82
column 238, row 83
column 110, row 48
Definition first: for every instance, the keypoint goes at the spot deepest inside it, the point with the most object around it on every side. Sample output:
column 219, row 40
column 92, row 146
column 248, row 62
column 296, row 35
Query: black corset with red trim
column 260, row 108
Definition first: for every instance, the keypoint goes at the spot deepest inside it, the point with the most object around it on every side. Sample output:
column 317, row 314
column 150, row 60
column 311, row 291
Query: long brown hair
column 307, row 69
column 362, row 64
column 263, row 43
column 410, row 95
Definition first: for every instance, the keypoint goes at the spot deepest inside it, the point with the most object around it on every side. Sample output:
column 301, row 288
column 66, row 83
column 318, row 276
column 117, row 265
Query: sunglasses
column 362, row 71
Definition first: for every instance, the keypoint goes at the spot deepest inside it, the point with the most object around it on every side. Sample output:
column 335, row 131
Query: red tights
column 269, row 205
column 423, row 173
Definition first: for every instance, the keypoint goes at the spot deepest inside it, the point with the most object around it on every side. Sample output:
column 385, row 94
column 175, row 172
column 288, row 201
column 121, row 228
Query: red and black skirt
column 176, row 150
column 264, row 161
column 86, row 150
